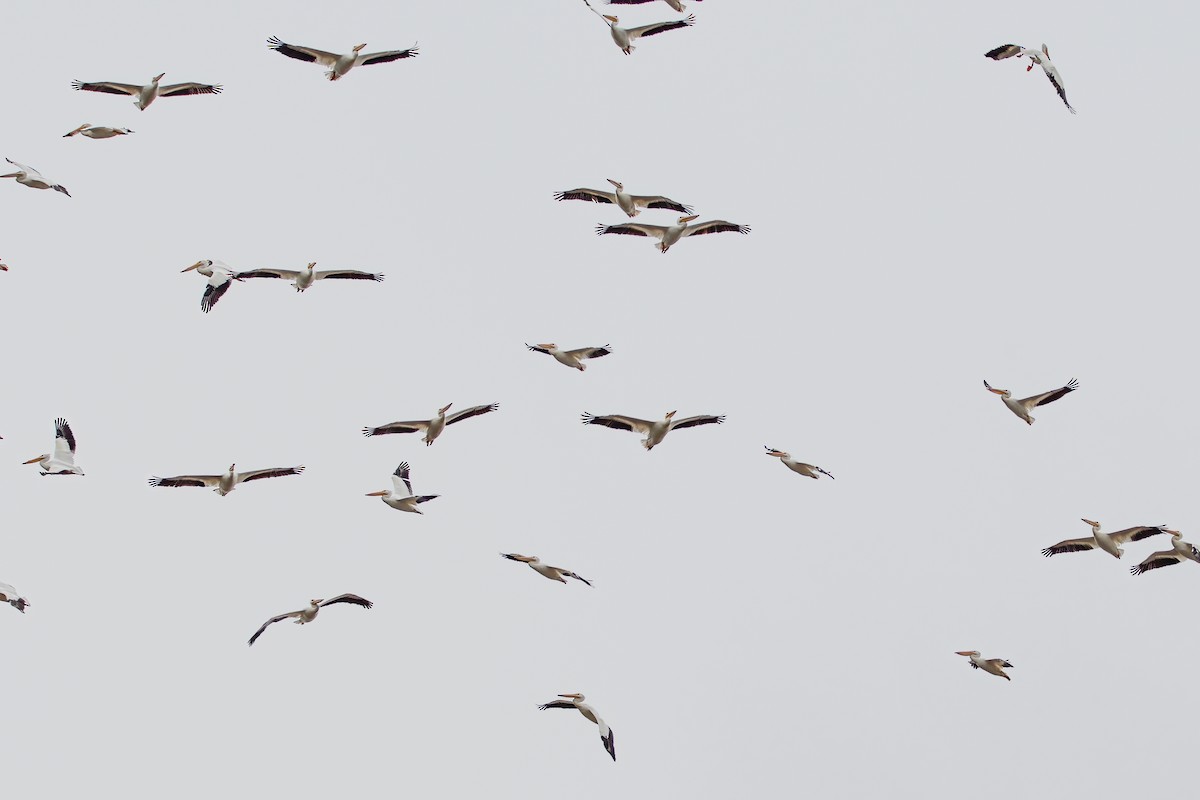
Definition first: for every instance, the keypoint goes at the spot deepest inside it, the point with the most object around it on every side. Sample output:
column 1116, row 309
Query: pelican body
column 992, row 666
column 97, row 132
column 227, row 481
column 400, row 496
column 797, row 466
column 575, row 701
column 1180, row 551
column 28, row 176
column 1023, row 407
column 654, row 432
column 1108, row 542
column 144, row 95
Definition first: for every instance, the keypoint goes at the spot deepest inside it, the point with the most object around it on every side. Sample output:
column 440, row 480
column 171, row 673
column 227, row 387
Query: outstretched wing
column 1070, row 546
column 658, row 201
column 1057, row 82
column 64, row 440
column 285, row 274
column 1004, row 51
column 594, row 195
column 588, row 352
column 181, row 89
column 401, row 476
column 107, row 87
column 414, row 426
column 302, row 53
column 1049, row 397
column 271, row 472
column 271, row 622
column 569, row 574
column 691, row 422
column 619, row 422
column 633, row 229
column 467, row 413
column 1163, row 558
column 347, row 598
column 348, row 275
column 556, row 704
column 1136, row 534
column 715, row 226
column 660, row 27
column 384, row 56
column 186, row 480
column 217, row 286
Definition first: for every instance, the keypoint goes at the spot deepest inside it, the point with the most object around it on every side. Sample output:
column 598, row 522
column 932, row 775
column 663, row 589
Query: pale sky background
column 923, row 219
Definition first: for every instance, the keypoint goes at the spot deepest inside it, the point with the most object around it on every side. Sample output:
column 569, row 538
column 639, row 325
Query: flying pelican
column 669, row 235
column 307, row 615
column 624, row 37
column 1022, row 407
column 1180, row 551
column 433, row 427
column 796, row 466
column 401, row 496
column 1035, row 57
column 28, row 176
column 571, row 358
column 675, row 4
column 339, row 65
column 654, row 432
column 631, row 204
column 144, row 95
column 226, row 483
column 97, row 132
column 302, row 279
column 62, row 462
column 220, row 277
column 553, row 573
column 576, row 701
column 9, row 595
column 993, row 665
column 1108, row 542
column 3, row 267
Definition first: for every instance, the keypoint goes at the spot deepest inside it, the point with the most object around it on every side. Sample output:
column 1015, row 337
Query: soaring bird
column 143, row 96
column 571, row 358
column 675, row 4
column 400, row 496
column 28, row 176
column 625, row 37
column 432, row 427
column 654, row 432
column 10, row 595
column 62, row 460
column 1108, row 542
column 1041, row 57
column 796, row 466
column 307, row 615
column 228, row 481
column 575, row 701
column 1022, row 408
column 995, row 666
column 220, row 278
column 339, row 65
column 304, row 278
column 553, row 573
column 1180, row 551
column 631, row 204
column 97, row 132
column 668, row 235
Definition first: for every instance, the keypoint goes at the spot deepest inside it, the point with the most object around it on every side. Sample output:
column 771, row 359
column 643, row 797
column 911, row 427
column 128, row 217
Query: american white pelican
column 1108, row 542
column 625, row 37
column 219, row 275
column 97, row 132
column 62, row 461
column 28, row 176
column 576, row 702
column 143, row 96
column 669, row 235
column 571, row 358
column 675, row 4
column 1180, row 551
column 302, row 279
column 433, row 427
column 9, row 595
column 993, row 665
column 631, row 204
column 400, row 496
column 654, row 432
column 339, row 65
column 227, row 482
column 307, row 615
column 796, row 466
column 3, row 267
column 1035, row 57
column 553, row 573
column 1022, row 407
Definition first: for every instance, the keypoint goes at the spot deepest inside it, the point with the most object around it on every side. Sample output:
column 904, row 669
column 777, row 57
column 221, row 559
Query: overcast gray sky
column 923, row 219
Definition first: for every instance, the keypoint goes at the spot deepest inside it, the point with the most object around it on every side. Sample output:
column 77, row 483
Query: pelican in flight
column 796, row 466
column 571, row 358
column 400, row 496
column 1180, row 551
column 553, row 573
column 631, row 204
column 227, row 482
column 1022, row 408
column 576, row 701
column 3, row 267
column 654, row 432
column 1041, row 57
column 625, row 37
column 28, row 176
column 220, row 277
column 668, row 235
column 1108, row 542
column 993, row 665
column 675, row 4
column 97, row 132
column 9, row 595
column 339, row 65
column 302, row 279
column 62, row 461
column 432, row 427
column 307, row 615
column 143, row 96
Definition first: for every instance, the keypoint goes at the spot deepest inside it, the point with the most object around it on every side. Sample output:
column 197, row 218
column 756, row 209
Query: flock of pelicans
column 401, row 495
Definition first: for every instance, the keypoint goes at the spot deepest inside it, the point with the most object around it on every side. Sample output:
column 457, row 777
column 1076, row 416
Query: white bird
column 576, row 702
column 3, row 267
column 9, row 595
column 62, row 460
column 1180, row 551
column 1041, row 57
column 220, row 277
column 669, row 235
column 1108, row 542
column 302, row 279
column 796, row 466
column 143, row 96
column 339, row 64
column 625, row 37
column 571, row 358
column 28, row 176
column 995, row 666
column 1022, row 408
column 553, row 573
column 97, row 132
column 654, row 432
column 307, row 615
column 631, row 204
column 675, row 4
column 400, row 496
column 228, row 481
column 432, row 427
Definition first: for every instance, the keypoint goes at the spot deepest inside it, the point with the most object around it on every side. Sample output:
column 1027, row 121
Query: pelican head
column 547, row 345
column 198, row 265
column 617, row 184
column 77, row 130
column 611, row 19
column 777, row 453
column 442, row 411
column 310, row 266
column 671, row 414
column 1001, row 392
column 359, row 47
column 232, row 468
column 966, row 652
column 1091, row 522
column 317, row 602
column 43, row 457
column 687, row 219
column 158, row 77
